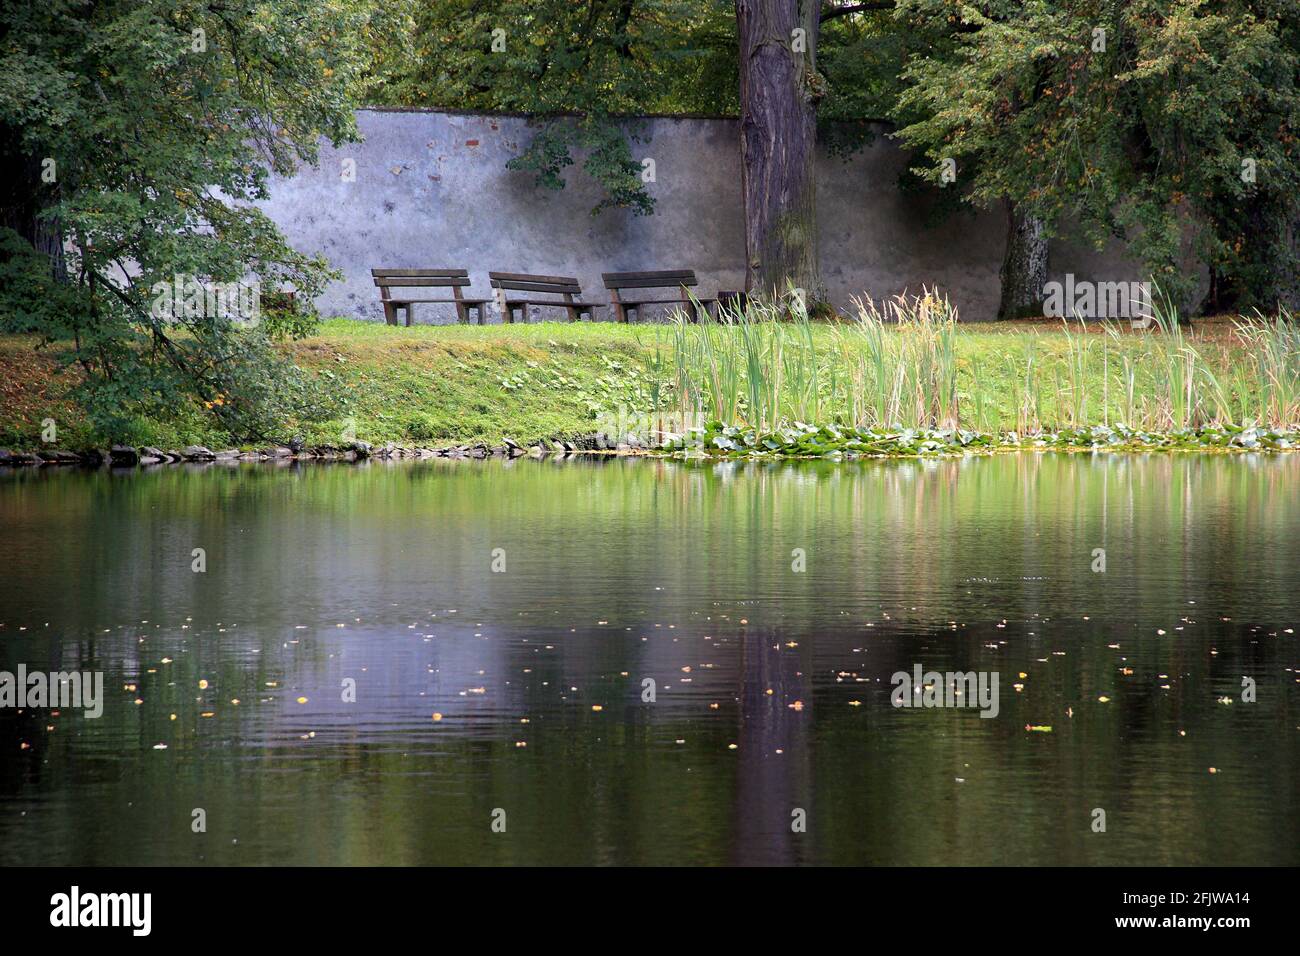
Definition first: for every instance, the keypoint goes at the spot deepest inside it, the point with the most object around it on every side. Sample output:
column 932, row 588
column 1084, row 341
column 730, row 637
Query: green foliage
column 139, row 136
column 860, row 58
column 578, row 67
column 849, row 442
column 609, row 161
column 1128, row 116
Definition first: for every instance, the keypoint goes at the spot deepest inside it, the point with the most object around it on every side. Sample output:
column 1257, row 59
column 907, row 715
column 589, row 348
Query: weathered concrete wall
column 431, row 189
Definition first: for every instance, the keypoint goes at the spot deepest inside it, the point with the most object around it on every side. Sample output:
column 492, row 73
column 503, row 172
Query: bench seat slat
column 538, row 287
column 557, row 303
column 649, row 284
column 527, row 277
column 648, row 280
column 398, row 282
column 399, row 300
column 640, row 301
column 444, row 273
column 656, row 274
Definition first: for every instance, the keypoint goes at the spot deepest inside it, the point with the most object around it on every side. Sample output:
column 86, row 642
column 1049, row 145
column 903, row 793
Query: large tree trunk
column 779, row 89
column 1024, row 267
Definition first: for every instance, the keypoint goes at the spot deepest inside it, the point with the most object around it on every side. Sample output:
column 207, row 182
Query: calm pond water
column 772, row 686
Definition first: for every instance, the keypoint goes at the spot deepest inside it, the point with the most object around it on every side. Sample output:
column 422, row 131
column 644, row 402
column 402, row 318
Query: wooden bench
column 403, row 279
column 621, row 303
column 564, row 286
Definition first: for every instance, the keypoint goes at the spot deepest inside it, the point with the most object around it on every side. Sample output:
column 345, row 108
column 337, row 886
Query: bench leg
column 390, row 313
column 462, row 314
column 410, row 308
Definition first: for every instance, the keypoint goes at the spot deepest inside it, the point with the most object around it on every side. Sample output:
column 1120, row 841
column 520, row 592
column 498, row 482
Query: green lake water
column 772, row 686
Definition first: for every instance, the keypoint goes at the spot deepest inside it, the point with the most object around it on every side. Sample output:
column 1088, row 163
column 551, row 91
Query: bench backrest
column 649, row 280
column 523, row 282
column 420, row 278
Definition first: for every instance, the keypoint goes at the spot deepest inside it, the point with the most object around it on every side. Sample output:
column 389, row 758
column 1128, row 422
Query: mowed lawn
column 438, row 384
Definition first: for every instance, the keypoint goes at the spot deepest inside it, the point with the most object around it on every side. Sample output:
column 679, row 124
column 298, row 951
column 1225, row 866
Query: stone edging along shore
column 713, row 442
column 127, row 456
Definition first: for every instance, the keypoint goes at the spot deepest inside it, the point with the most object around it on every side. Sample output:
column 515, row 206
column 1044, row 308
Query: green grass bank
column 438, row 385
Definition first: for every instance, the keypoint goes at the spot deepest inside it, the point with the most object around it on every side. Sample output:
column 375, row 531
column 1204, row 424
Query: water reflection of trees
column 935, row 554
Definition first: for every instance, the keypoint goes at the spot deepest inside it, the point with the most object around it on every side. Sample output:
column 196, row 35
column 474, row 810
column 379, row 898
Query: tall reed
column 902, row 362
column 1274, row 349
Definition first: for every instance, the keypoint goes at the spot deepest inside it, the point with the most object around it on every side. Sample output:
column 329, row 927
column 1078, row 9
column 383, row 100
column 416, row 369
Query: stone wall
column 432, row 189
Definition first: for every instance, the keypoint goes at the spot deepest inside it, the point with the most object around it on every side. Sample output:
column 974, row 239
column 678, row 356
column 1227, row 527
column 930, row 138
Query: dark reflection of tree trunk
column 769, row 786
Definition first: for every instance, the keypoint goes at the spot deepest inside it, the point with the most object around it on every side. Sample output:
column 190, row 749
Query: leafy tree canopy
column 1136, row 117
column 134, row 138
